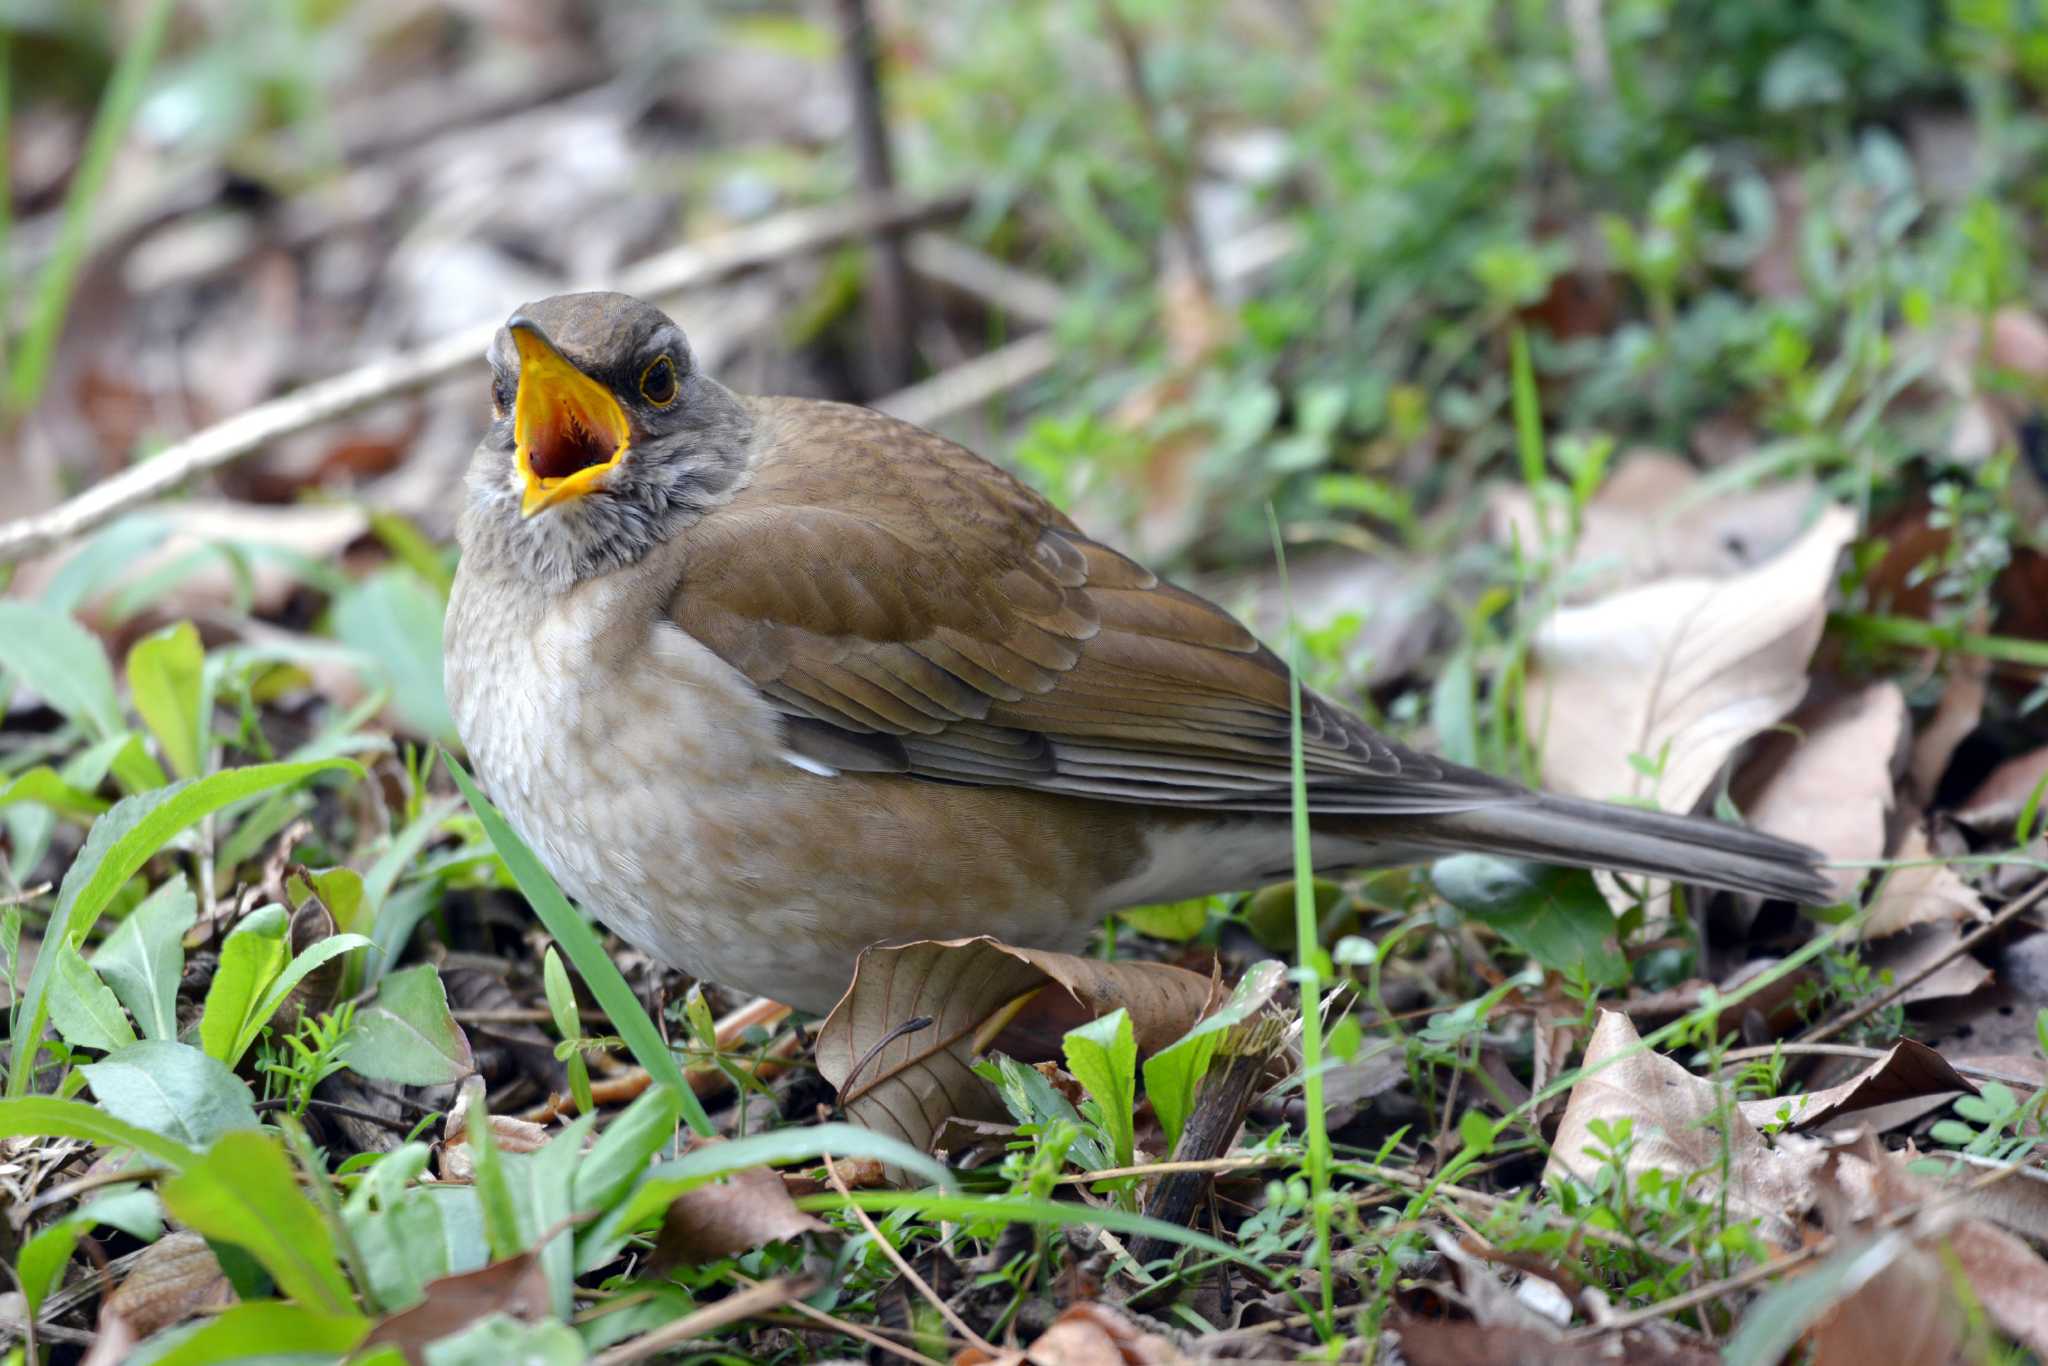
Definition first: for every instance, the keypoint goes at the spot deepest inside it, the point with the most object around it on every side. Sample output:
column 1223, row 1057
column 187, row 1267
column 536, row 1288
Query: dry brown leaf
column 1453, row 1342
column 1903, row 1313
column 1907, row 955
column 917, row 1081
column 733, row 1215
column 1908, row 1071
column 1924, row 894
column 1087, row 1334
column 1827, row 779
column 1996, row 805
column 1652, row 521
column 512, row 1135
column 517, row 1286
column 174, row 1278
column 1958, row 713
column 1684, row 670
column 1678, row 1123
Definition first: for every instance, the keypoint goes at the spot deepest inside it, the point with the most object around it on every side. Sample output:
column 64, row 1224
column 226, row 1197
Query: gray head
column 605, row 439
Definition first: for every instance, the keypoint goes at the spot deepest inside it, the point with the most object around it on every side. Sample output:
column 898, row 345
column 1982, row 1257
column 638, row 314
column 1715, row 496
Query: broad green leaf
column 167, row 680
column 1103, row 1056
column 550, row 1176
column 266, row 1331
column 1556, row 916
column 83, row 1009
column 407, row 1034
column 50, row 1117
column 44, row 786
column 622, row 1152
column 395, row 621
column 144, row 958
column 134, row 767
column 500, row 1338
column 249, row 963
column 1173, row 1074
column 243, row 1192
column 502, row 1233
column 1179, row 921
column 118, row 844
column 60, row 661
column 569, row 1024
column 586, row 951
column 40, row 1266
column 172, row 1089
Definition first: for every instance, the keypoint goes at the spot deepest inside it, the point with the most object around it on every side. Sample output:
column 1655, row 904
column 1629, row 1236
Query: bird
column 767, row 681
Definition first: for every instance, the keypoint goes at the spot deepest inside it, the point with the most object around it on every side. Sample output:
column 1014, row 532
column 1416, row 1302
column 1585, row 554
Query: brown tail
column 1588, row 834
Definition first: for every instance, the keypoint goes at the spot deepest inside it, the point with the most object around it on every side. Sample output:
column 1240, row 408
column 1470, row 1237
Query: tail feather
column 1589, row 834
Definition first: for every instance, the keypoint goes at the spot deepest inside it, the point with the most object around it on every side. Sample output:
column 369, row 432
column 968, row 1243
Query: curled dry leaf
column 1087, row 1334
column 1678, row 673
column 174, row 1278
column 973, row 991
column 1940, row 947
column 458, row 1162
column 1653, row 520
column 1908, row 1071
column 1923, row 893
column 1679, row 1122
column 736, row 1214
column 517, row 1286
column 1996, row 805
column 1827, row 779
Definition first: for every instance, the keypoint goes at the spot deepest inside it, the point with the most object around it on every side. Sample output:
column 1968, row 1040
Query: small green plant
column 298, row 1062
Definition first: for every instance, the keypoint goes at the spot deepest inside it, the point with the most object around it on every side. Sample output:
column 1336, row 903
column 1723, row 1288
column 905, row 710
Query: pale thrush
column 767, row 680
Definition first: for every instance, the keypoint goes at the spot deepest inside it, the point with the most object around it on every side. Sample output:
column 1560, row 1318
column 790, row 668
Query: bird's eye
column 658, row 382
column 502, row 393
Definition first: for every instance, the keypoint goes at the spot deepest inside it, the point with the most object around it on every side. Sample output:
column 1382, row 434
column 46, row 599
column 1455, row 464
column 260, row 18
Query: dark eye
column 658, row 382
column 502, row 393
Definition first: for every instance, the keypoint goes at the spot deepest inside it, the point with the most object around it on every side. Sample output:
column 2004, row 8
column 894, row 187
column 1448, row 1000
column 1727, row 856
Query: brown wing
column 911, row 608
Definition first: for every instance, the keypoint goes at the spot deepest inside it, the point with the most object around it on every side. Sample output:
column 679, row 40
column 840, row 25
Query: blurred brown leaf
column 1927, row 893
column 1827, row 777
column 1908, row 1071
column 516, row 1286
column 733, row 1215
column 1088, row 1334
column 174, row 1278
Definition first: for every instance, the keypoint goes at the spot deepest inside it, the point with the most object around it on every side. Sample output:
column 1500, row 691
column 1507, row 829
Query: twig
column 1019, row 293
column 755, row 1298
column 891, row 316
column 1850, row 1050
column 852, row 1330
column 667, row 273
column 2019, row 905
column 1172, row 169
column 909, row 1272
column 972, row 383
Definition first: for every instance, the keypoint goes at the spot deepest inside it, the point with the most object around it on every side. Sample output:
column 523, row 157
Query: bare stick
column 764, row 243
column 731, row 1309
column 896, row 1259
column 891, row 315
column 972, row 383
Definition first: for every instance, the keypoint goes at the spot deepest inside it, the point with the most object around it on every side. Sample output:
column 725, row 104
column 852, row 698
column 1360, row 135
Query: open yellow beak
column 567, row 429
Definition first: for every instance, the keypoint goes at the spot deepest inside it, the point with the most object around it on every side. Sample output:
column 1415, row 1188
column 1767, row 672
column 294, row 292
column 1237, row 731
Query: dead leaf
column 1926, row 893
column 1996, row 805
column 736, row 1214
column 1653, row 520
column 174, row 1278
column 1908, row 1071
column 1827, row 779
column 1682, row 671
column 1899, row 1309
column 113, row 1340
column 1679, row 1121
column 1088, row 1334
column 1463, row 1342
column 512, row 1135
column 918, row 1080
column 517, row 1286
column 1958, row 713
column 1908, row 954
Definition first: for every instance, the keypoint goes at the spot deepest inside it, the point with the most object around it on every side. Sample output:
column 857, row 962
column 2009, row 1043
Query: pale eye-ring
column 658, row 382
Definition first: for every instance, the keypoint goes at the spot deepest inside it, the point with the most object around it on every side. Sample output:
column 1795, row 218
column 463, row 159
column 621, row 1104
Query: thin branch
column 667, row 273
column 890, row 305
column 897, row 1259
column 747, row 1303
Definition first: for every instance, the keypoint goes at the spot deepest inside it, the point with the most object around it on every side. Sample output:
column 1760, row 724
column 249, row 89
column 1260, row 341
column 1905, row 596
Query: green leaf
column 1103, row 1056
column 307, row 960
column 243, row 1192
column 970, row 1209
column 172, row 1089
column 1178, row 922
column 1781, row 1315
column 44, row 786
column 395, row 621
column 268, row 1330
column 144, row 958
column 493, row 1185
column 408, row 1035
column 1556, row 916
column 1173, row 1074
column 50, row 1117
column 61, row 662
column 167, row 680
column 118, row 844
column 249, row 962
column 43, row 1258
column 499, row 1338
column 1477, row 1131
column 624, row 1149
column 586, row 951
column 562, row 1006
column 83, row 1009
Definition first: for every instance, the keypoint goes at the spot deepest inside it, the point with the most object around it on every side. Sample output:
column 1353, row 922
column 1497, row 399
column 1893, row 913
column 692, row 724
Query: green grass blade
column 31, row 364
column 1050, row 1213
column 49, row 1117
column 585, row 951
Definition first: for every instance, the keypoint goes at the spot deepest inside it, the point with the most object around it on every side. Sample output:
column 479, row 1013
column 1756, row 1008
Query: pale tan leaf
column 1908, row 1071
column 918, row 1080
column 1925, row 894
column 1087, row 1334
column 1904, row 1314
column 1679, row 1123
column 1680, row 672
column 1905, row 956
column 1958, row 713
column 1998, row 801
column 1655, row 519
column 1828, row 777
column 174, row 1278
